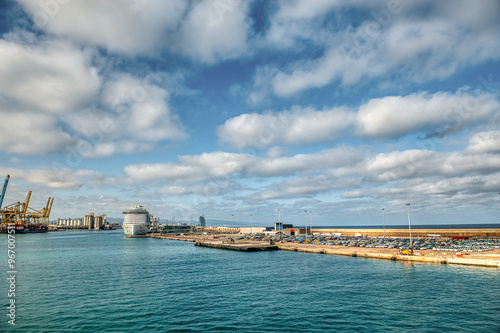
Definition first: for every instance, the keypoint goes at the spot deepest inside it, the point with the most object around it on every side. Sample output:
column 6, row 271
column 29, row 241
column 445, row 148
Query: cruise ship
column 136, row 221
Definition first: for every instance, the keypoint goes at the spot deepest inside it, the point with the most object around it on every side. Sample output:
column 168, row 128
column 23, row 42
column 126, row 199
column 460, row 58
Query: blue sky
column 245, row 107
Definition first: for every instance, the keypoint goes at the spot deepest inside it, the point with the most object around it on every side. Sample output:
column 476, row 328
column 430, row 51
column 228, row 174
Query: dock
column 485, row 259
column 240, row 246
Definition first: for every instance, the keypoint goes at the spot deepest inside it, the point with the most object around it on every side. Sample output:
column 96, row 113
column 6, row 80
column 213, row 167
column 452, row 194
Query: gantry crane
column 3, row 190
column 23, row 218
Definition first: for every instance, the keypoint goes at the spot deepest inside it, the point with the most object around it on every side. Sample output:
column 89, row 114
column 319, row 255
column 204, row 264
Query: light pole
column 280, row 228
column 305, row 221
column 383, row 219
column 232, row 225
column 310, row 222
column 251, row 225
column 409, row 227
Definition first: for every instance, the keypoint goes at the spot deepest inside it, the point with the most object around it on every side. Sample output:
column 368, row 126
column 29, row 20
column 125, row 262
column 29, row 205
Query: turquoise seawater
column 80, row 281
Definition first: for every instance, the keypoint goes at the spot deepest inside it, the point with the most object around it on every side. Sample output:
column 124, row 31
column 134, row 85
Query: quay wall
column 415, row 232
column 355, row 252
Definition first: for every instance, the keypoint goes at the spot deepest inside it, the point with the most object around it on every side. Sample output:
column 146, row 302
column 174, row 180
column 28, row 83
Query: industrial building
column 89, row 221
column 69, row 222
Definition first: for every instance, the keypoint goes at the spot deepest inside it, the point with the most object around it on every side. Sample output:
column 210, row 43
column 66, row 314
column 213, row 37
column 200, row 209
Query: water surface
column 83, row 281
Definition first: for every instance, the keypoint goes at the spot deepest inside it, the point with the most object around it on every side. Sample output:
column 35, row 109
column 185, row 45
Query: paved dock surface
column 487, row 259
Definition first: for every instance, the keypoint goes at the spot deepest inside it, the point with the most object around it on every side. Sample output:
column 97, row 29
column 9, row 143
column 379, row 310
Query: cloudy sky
column 245, row 107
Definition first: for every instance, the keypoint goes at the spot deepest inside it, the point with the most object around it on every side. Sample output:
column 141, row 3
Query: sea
column 101, row 281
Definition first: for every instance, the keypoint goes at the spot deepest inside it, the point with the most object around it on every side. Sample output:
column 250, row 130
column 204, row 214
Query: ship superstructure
column 136, row 221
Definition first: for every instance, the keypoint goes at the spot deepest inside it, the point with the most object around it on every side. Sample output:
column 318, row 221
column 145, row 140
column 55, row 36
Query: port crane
column 4, row 189
column 24, row 218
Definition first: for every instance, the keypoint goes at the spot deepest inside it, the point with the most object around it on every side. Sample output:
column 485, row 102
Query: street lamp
column 280, row 227
column 409, row 227
column 305, row 221
column 232, row 225
column 383, row 219
column 310, row 222
column 251, row 225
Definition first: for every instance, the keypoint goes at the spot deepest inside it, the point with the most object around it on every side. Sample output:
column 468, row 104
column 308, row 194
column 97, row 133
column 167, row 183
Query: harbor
column 470, row 253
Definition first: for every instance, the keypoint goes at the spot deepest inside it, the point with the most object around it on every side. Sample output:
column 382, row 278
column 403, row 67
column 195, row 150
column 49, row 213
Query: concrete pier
column 364, row 253
column 241, row 246
column 485, row 259
column 494, row 232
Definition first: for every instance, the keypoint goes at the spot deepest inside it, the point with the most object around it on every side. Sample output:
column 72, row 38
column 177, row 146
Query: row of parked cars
column 436, row 244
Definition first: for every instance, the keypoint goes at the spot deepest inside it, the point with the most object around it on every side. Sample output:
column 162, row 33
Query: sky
column 243, row 107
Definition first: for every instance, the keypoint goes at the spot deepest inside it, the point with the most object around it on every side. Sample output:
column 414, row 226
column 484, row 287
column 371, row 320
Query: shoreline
column 484, row 259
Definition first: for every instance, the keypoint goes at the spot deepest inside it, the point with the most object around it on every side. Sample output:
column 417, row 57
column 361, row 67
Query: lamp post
column 280, row 228
column 232, row 225
column 409, row 227
column 383, row 219
column 305, row 221
column 251, row 225
column 310, row 223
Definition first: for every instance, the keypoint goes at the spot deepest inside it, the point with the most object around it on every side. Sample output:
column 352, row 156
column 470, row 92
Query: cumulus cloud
column 192, row 168
column 412, row 173
column 485, row 142
column 416, row 48
column 305, row 163
column 219, row 166
column 396, row 116
column 129, row 27
column 387, row 117
column 205, row 190
column 62, row 178
column 296, row 126
column 215, row 31
column 141, row 110
column 133, row 118
column 54, row 77
column 30, row 133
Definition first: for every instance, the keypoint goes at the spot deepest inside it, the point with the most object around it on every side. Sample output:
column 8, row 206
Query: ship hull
column 135, row 229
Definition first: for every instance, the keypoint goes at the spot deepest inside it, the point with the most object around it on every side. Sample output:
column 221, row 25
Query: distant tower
column 99, row 222
column 89, row 221
column 202, row 220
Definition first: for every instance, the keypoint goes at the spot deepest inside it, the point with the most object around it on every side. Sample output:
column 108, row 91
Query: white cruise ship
column 136, row 221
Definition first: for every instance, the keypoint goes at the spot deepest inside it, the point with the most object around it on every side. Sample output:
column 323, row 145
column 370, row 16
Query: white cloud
column 415, row 49
column 134, row 117
column 140, row 111
column 485, row 142
column 217, row 166
column 31, row 134
column 215, row 30
column 386, row 117
column 192, row 168
column 128, row 26
column 57, row 178
column 205, row 190
column 54, row 77
column 396, row 116
column 295, row 127
column 306, row 163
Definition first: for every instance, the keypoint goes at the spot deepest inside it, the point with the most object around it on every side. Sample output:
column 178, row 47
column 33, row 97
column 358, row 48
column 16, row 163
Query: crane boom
column 4, row 189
